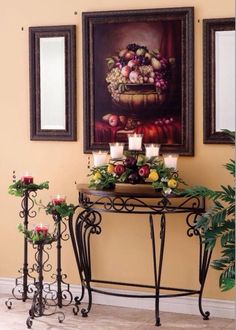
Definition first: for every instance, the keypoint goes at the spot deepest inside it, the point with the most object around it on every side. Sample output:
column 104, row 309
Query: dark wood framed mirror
column 52, row 63
column 218, row 79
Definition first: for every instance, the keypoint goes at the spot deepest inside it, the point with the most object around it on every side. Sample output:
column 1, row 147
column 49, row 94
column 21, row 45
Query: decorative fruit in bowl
column 144, row 171
column 133, row 178
column 130, row 162
column 138, row 79
column 119, row 169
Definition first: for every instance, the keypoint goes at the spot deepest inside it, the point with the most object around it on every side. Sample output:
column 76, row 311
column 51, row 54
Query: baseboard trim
column 186, row 305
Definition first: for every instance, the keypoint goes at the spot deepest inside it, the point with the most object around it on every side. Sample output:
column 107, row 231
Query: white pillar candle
column 152, row 150
column 99, row 158
column 116, row 150
column 170, row 160
column 135, row 141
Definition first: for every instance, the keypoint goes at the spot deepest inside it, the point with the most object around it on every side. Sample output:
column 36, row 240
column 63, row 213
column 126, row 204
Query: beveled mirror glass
column 52, row 83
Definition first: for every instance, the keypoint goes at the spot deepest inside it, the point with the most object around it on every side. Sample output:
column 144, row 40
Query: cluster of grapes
column 142, row 60
column 135, row 47
column 114, row 78
column 147, row 73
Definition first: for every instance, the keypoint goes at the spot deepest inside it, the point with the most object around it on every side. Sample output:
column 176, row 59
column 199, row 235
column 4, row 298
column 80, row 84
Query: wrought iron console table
column 136, row 199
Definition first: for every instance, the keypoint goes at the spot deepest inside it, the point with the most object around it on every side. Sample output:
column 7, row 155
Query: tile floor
column 106, row 318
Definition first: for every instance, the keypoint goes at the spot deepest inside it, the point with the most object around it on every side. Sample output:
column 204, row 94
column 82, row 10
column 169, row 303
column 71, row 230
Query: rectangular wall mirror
column 52, row 54
column 219, row 79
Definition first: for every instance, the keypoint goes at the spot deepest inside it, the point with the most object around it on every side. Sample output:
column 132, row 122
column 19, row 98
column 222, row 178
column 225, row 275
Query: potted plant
column 218, row 224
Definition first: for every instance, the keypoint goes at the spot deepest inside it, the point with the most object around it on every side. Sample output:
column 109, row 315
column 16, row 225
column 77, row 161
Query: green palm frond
column 201, row 191
column 230, row 134
column 231, row 167
column 218, row 223
column 228, row 237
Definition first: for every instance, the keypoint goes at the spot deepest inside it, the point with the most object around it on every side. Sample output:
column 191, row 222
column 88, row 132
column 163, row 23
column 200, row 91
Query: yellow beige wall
column 124, row 251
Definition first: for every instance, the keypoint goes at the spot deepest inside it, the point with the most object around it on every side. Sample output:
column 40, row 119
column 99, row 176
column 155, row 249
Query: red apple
column 125, row 71
column 129, row 55
column 119, row 169
column 123, row 52
column 113, row 120
column 144, row 171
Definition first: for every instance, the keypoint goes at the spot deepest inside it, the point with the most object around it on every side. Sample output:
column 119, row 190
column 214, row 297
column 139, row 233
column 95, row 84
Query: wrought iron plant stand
column 62, row 293
column 42, row 299
column 25, row 285
column 127, row 199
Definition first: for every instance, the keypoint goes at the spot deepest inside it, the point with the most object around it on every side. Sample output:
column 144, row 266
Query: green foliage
column 218, row 223
column 231, row 167
column 35, row 237
column 18, row 188
column 101, row 178
column 63, row 209
column 110, row 63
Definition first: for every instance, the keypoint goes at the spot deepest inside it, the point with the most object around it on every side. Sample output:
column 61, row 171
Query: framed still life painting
column 138, row 78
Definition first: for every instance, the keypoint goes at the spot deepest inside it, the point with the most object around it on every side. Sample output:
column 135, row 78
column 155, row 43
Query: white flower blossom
column 165, row 179
column 167, row 191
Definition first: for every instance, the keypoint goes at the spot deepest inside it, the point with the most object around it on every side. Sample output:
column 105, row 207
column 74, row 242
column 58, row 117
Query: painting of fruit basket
column 138, row 78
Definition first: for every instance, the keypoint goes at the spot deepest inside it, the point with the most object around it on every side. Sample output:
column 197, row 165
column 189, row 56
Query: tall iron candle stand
column 40, row 302
column 63, row 294
column 22, row 286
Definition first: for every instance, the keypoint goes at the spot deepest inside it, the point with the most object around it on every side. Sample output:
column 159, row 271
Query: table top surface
column 125, row 190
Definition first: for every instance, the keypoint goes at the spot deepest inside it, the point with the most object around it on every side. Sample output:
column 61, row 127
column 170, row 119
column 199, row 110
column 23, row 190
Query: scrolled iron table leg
column 87, row 223
column 204, row 259
column 157, row 273
column 204, row 266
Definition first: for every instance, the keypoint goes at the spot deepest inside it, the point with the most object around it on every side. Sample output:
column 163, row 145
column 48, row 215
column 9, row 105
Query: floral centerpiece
column 136, row 170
